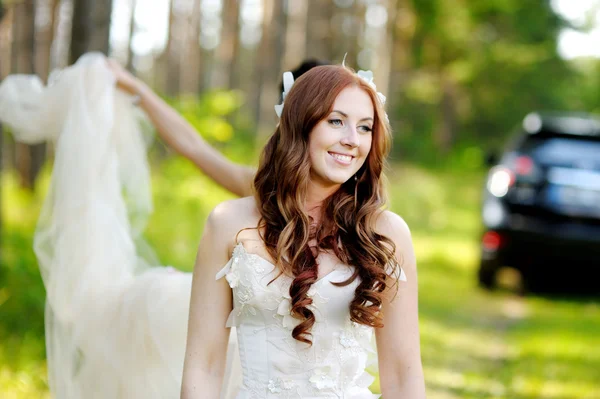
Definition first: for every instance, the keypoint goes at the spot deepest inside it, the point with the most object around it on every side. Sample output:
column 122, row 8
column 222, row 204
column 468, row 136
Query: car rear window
column 557, row 150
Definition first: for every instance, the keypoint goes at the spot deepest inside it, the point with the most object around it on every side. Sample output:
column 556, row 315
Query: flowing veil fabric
column 116, row 321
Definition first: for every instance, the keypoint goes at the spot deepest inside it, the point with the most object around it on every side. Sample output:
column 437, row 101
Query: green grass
column 475, row 344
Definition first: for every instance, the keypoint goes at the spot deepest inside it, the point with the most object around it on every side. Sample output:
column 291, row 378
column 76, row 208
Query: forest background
column 459, row 75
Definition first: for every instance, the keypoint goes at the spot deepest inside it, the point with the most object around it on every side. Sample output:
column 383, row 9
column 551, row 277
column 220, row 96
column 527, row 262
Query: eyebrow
column 346, row 115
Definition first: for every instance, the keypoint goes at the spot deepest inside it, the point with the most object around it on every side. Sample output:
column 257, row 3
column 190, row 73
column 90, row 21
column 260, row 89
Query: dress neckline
column 257, row 256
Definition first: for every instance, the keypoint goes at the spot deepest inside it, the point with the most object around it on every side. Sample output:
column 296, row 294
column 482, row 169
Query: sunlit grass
column 475, row 344
column 22, row 369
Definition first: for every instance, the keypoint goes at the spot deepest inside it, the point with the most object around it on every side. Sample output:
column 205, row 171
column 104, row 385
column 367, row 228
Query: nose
column 350, row 138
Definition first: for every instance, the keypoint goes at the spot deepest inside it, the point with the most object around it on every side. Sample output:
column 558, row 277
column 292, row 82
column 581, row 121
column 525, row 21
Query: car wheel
column 487, row 274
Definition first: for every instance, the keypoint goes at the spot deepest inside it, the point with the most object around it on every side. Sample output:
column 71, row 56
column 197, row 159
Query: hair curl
column 348, row 215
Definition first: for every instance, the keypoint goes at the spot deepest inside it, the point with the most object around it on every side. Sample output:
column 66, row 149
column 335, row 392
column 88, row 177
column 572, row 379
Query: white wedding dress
column 116, row 321
column 274, row 364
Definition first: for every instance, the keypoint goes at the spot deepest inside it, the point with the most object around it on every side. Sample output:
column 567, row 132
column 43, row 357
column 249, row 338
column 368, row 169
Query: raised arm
column 210, row 305
column 181, row 136
column 398, row 342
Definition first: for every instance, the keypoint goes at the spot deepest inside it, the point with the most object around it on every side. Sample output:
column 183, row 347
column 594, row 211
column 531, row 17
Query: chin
column 333, row 177
column 340, row 179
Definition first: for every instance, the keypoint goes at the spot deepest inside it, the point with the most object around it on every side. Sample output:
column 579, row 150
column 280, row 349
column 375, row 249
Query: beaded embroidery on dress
column 274, row 364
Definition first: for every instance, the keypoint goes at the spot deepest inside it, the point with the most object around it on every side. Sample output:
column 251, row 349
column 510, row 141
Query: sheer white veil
column 116, row 321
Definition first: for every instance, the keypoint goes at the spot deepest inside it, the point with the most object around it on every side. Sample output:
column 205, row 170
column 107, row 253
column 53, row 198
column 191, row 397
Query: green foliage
column 183, row 198
column 22, row 296
column 209, row 112
column 476, row 68
column 581, row 91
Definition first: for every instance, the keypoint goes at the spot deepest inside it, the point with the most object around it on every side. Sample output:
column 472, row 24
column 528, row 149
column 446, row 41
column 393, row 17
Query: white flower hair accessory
column 288, row 82
column 367, row 76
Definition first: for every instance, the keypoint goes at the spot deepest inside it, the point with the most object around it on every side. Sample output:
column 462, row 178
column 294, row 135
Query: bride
column 317, row 266
column 115, row 320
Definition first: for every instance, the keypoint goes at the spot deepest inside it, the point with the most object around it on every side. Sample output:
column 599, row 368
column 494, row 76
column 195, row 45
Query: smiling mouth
column 345, row 159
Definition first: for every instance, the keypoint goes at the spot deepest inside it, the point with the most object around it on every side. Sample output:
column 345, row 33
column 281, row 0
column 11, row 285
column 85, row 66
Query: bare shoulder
column 229, row 217
column 235, row 211
column 392, row 226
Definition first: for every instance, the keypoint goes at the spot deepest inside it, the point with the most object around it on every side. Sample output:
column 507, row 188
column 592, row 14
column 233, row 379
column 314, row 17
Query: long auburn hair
column 347, row 224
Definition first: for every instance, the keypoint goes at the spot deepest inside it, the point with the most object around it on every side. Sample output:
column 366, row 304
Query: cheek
column 313, row 149
column 365, row 146
column 321, row 141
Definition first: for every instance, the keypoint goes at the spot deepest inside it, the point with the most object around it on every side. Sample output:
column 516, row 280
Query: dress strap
column 402, row 275
column 224, row 270
column 391, row 272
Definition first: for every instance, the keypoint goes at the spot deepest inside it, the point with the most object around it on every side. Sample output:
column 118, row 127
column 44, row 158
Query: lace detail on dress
column 274, row 363
column 245, row 274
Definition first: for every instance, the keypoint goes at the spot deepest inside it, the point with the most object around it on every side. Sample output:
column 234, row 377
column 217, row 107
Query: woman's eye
column 365, row 129
column 335, row 122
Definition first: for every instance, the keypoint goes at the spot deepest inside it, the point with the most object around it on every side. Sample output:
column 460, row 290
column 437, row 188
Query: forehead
column 354, row 102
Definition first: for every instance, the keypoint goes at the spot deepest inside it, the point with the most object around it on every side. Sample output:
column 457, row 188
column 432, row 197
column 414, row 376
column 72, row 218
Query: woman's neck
column 315, row 197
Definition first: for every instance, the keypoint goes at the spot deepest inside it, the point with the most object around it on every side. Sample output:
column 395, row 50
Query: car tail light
column 491, row 241
column 500, row 180
column 524, row 165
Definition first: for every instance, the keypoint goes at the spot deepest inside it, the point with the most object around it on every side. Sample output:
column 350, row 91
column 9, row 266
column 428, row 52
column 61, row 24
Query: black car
column 541, row 204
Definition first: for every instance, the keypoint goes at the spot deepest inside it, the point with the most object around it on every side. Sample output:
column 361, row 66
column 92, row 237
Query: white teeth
column 343, row 158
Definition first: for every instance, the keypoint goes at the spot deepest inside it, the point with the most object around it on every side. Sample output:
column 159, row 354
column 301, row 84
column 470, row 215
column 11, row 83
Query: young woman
column 317, row 264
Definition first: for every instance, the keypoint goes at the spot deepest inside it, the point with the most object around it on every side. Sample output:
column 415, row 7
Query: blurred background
column 460, row 77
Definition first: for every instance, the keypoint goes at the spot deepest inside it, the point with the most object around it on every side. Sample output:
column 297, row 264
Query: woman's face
column 340, row 143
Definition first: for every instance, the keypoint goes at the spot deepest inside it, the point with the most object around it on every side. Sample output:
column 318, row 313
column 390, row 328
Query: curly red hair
column 348, row 215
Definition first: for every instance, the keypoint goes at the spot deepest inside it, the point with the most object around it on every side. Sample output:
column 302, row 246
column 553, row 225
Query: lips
column 341, row 158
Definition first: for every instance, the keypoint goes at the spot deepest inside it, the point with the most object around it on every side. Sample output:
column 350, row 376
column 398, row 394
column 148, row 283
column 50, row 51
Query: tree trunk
column 382, row 69
column 337, row 39
column 225, row 55
column 60, row 52
column 263, row 59
column 90, row 30
column 81, row 29
column 47, row 10
column 100, row 36
column 295, row 46
column 356, row 21
column 24, row 37
column 28, row 159
column 318, row 29
column 191, row 69
column 6, row 22
column 269, row 65
column 173, row 52
column 234, row 70
column 444, row 134
column 132, row 29
column 279, row 32
column 402, row 31
column 6, row 39
column 3, row 10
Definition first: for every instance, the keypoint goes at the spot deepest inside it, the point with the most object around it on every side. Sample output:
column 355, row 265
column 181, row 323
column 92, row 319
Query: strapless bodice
column 274, row 364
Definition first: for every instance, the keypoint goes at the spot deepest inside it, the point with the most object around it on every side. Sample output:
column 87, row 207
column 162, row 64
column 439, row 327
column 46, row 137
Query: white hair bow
column 288, row 82
column 367, row 76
